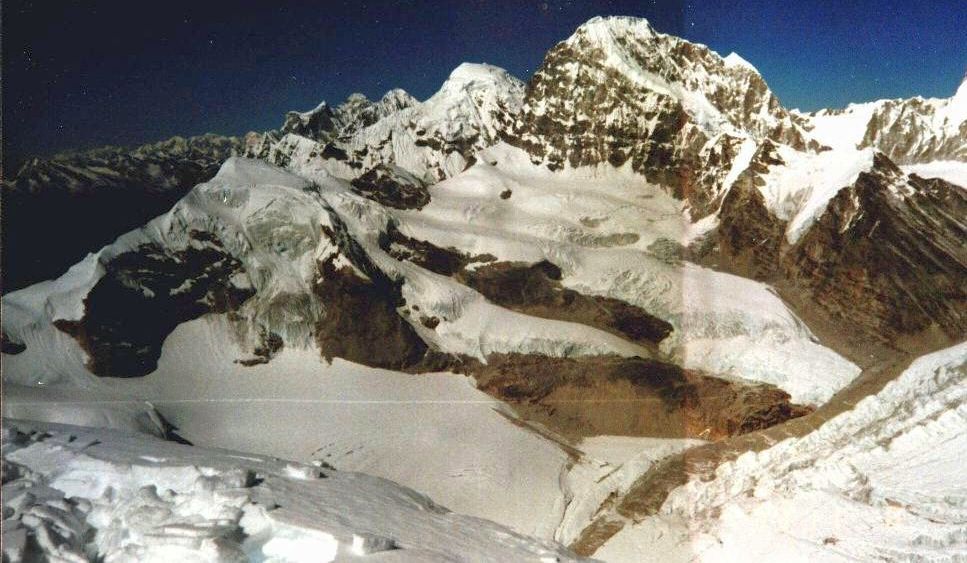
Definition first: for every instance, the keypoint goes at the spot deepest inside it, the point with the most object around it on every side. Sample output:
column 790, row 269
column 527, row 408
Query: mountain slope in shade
column 889, row 254
column 885, row 255
column 58, row 209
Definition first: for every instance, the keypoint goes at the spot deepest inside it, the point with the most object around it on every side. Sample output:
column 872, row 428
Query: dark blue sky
column 86, row 73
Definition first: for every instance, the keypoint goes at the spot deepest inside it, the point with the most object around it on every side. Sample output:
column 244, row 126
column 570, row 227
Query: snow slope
column 436, row 432
column 615, row 235
column 882, row 481
column 951, row 170
column 79, row 494
column 799, row 190
column 433, row 432
column 269, row 220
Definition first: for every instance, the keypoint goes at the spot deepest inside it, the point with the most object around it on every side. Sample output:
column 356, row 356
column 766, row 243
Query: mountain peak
column 472, row 73
column 603, row 27
column 398, row 94
column 736, row 61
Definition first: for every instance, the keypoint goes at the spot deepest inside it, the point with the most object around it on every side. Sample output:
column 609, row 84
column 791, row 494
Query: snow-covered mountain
column 533, row 303
column 619, row 92
column 909, row 131
column 430, row 140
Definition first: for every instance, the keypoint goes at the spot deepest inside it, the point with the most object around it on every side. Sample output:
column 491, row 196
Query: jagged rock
column 749, row 235
column 392, row 186
column 430, row 140
column 619, row 92
column 535, row 290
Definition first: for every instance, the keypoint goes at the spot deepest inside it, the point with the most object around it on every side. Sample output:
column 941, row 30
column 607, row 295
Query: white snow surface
column 950, row 170
column 269, row 220
column 94, row 494
column 433, row 432
column 734, row 59
column 883, row 481
column 612, row 465
column 916, row 127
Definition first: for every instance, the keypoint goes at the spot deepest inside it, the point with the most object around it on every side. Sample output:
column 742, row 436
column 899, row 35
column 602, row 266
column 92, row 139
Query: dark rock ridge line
column 649, row 492
column 443, row 261
column 361, row 323
column 532, row 289
column 393, row 187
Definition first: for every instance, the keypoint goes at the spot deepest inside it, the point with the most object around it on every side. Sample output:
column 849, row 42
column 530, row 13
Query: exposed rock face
column 326, row 124
column 361, row 323
column 886, row 257
column 889, row 254
column 609, row 395
column 9, row 346
column 145, row 294
column 749, row 235
column 443, row 261
column 902, row 129
column 392, row 186
column 95, row 196
column 617, row 91
column 535, row 290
